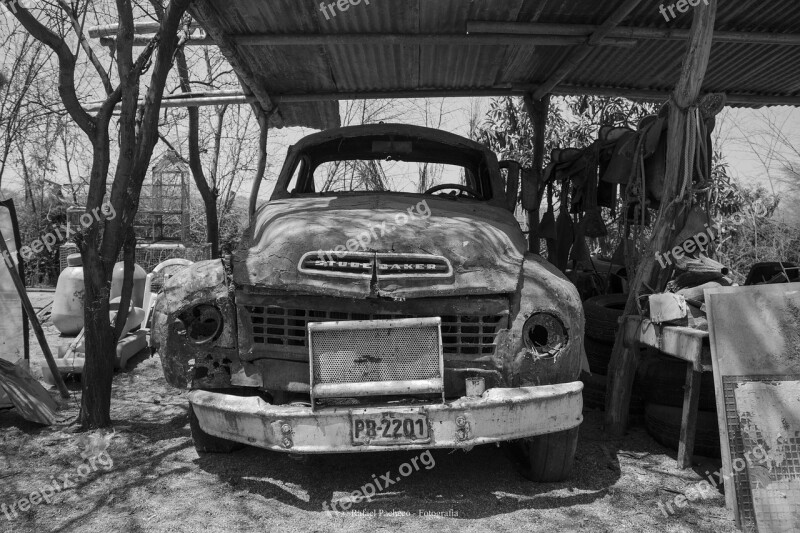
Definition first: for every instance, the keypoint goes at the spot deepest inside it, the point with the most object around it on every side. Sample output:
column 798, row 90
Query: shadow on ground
column 482, row 482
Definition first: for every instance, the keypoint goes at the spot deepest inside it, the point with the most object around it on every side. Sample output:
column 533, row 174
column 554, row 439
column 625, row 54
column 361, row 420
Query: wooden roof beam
column 579, row 54
column 195, row 100
column 409, row 39
column 626, row 32
column 110, row 30
column 386, row 39
column 144, row 40
column 229, row 50
column 236, row 97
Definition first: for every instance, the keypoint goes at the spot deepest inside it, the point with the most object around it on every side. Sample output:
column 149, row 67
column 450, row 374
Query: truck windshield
column 375, row 175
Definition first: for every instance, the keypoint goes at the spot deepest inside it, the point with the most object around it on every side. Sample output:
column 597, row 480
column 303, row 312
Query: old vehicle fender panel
column 544, row 290
column 195, row 349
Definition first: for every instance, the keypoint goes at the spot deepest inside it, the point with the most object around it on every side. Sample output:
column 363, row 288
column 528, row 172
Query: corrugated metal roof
column 735, row 68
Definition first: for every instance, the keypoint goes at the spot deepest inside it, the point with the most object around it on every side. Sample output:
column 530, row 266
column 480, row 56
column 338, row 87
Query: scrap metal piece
column 755, row 346
column 28, row 396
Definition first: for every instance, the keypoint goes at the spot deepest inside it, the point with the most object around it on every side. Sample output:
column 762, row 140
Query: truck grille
column 274, row 326
column 375, row 358
column 381, row 354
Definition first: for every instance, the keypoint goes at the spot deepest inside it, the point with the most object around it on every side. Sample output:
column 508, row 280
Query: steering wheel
column 463, row 188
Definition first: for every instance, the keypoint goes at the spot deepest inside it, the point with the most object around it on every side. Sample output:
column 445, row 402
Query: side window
column 297, row 181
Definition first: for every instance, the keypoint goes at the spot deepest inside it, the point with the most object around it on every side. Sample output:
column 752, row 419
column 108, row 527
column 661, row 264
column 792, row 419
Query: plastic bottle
column 139, row 277
column 67, row 314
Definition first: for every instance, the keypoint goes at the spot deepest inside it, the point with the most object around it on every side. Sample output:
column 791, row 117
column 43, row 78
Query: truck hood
column 386, row 244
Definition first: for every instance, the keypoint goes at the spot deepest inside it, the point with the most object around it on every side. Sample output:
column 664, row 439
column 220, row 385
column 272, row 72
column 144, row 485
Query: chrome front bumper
column 500, row 414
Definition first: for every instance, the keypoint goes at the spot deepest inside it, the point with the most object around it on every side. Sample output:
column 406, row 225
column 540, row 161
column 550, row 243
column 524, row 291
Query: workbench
column 684, row 343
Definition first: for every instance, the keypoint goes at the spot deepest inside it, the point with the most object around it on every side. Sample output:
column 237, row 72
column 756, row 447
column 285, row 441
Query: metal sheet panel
column 12, row 330
column 755, row 346
column 734, row 68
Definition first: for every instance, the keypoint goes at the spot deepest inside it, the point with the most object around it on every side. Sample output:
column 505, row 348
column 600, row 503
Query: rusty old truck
column 383, row 299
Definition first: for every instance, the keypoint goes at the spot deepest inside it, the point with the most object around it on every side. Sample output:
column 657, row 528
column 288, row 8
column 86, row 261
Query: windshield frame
column 460, row 151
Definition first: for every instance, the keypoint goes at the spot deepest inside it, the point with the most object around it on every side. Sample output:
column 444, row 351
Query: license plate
column 390, row 428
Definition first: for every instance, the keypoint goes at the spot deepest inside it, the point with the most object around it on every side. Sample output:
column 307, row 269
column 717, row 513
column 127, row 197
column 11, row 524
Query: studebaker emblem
column 362, row 264
column 342, row 265
column 408, row 266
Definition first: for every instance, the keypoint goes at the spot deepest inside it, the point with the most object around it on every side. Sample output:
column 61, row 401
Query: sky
column 757, row 142
column 754, row 142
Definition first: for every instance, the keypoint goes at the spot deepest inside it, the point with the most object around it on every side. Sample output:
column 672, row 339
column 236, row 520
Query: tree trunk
column 212, row 225
column 99, row 369
column 208, row 194
column 101, row 348
column 137, row 135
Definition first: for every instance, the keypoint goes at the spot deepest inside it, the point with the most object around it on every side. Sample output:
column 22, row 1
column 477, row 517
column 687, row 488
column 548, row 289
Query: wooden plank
column 722, row 421
column 28, row 396
column 691, row 401
column 680, row 342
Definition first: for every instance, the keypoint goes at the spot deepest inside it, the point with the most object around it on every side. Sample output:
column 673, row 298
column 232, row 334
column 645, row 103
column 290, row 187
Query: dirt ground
column 152, row 479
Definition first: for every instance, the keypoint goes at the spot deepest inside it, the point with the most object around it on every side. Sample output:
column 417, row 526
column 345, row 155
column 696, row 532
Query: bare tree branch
column 66, row 68
column 84, row 43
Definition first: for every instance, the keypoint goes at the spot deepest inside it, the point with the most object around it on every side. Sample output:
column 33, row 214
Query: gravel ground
column 152, row 479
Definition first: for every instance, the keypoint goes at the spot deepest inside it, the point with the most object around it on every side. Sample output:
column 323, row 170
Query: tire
column 594, row 392
column 594, row 397
column 205, row 443
column 602, row 316
column 549, row 458
column 598, row 354
column 663, row 423
column 665, row 378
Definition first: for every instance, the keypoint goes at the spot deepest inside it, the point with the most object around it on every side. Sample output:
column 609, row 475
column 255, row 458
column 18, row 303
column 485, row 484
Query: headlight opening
column 203, row 323
column 545, row 334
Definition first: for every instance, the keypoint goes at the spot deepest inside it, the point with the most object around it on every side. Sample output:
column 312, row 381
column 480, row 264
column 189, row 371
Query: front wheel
column 205, row 443
column 549, row 458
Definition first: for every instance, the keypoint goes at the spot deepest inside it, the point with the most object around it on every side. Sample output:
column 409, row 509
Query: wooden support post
column 622, row 366
column 263, row 135
column 537, row 111
column 37, row 327
column 691, row 401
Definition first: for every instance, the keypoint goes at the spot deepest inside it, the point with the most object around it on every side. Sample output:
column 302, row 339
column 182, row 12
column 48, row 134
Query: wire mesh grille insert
column 365, row 351
column 274, row 326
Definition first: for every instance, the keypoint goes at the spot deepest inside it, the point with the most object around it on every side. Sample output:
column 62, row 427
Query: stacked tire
column 665, row 378
column 602, row 321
